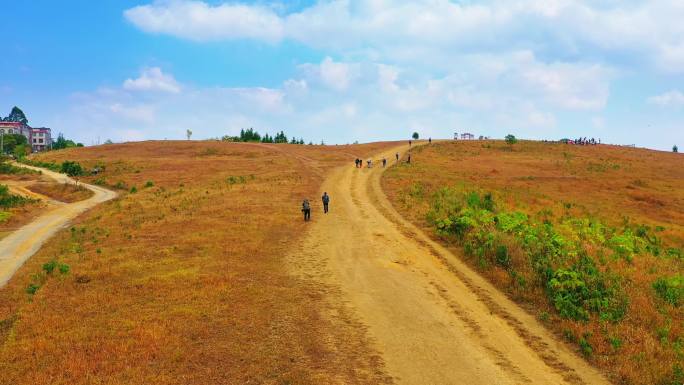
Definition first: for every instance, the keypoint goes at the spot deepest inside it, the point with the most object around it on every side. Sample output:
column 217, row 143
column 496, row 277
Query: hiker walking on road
column 356, row 162
column 326, row 199
column 384, row 162
column 397, row 155
column 370, row 162
column 409, row 158
column 429, row 140
column 306, row 209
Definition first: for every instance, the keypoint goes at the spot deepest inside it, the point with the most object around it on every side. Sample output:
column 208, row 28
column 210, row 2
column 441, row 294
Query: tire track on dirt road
column 431, row 318
column 19, row 246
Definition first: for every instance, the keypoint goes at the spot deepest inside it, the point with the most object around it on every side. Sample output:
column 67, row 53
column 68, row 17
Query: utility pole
column 2, row 142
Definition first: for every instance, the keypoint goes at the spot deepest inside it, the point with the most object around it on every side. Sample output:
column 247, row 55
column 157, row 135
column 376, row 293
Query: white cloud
column 153, row 79
column 387, row 77
column 196, row 20
column 435, row 30
column 669, row 99
column 335, row 75
column 143, row 113
column 576, row 86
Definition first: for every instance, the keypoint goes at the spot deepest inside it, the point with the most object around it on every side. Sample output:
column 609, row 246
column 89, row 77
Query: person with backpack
column 326, row 199
column 306, row 209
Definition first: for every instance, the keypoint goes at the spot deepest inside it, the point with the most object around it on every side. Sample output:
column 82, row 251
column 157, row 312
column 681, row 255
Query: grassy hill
column 183, row 278
column 590, row 239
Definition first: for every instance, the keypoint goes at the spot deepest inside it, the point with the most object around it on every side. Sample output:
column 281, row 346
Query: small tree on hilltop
column 675, row 148
column 415, row 136
column 511, row 139
column 188, row 133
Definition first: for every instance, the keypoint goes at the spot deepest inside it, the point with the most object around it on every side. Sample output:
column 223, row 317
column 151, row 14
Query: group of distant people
column 306, row 205
column 585, row 142
column 579, row 141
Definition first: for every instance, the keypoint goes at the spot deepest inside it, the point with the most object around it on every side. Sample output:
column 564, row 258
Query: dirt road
column 19, row 246
column 433, row 320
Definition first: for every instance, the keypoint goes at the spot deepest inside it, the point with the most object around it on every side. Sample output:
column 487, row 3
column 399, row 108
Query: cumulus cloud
column 153, row 79
column 668, row 99
column 332, row 74
column 433, row 29
column 197, row 20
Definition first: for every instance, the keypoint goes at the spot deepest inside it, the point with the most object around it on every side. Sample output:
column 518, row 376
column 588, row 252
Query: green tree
column 675, row 148
column 17, row 115
column 62, row 143
column 72, row 168
column 10, row 141
column 511, row 139
column 280, row 137
column 188, row 133
column 21, row 150
column 415, row 136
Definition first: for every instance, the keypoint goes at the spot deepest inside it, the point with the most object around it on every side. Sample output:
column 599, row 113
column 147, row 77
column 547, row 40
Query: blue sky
column 342, row 71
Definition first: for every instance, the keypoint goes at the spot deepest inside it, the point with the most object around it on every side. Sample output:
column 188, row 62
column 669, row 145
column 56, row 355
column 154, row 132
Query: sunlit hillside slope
column 588, row 238
column 183, row 278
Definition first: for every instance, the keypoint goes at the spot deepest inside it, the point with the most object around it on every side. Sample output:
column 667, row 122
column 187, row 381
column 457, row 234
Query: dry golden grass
column 611, row 183
column 184, row 281
column 14, row 217
column 62, row 192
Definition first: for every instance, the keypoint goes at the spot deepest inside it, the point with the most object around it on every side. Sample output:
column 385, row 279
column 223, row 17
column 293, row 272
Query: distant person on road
column 409, row 158
column 397, row 155
column 326, row 199
column 409, row 143
column 306, row 209
column 370, row 162
column 430, row 140
column 356, row 162
column 384, row 162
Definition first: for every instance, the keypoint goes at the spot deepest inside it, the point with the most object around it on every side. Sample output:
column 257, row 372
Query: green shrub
column 615, row 342
column 8, row 169
column 567, row 291
column 100, row 181
column 8, row 200
column 502, row 257
column 585, row 347
column 574, row 284
column 50, row 266
column 149, row 183
column 675, row 253
column 5, row 216
column 511, row 139
column 71, row 168
column 670, row 289
column 134, row 190
column 64, row 268
column 32, row 288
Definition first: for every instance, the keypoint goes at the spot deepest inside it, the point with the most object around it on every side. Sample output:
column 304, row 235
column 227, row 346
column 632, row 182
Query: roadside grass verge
column 63, row 192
